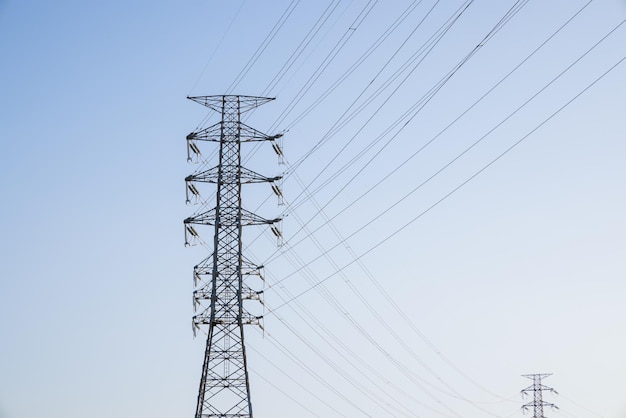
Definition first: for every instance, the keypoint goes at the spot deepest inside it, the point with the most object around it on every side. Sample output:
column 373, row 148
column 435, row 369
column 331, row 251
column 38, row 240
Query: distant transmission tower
column 537, row 389
column 219, row 279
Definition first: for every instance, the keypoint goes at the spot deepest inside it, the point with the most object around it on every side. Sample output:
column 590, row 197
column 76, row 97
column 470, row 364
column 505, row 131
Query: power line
column 345, row 315
column 217, row 46
column 297, row 52
column 494, row 128
column 382, row 324
column 423, row 51
column 294, row 381
column 445, row 129
column 580, row 406
column 446, row 196
column 341, row 43
column 408, row 116
column 390, row 30
column 263, row 46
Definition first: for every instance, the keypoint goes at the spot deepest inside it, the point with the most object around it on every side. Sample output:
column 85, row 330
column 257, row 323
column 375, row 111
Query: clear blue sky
column 519, row 270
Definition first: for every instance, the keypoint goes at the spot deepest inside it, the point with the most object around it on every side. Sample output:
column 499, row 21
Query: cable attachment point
column 277, row 146
column 193, row 152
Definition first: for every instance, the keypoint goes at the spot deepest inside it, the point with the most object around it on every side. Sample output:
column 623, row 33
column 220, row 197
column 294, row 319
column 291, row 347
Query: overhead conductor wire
column 373, row 279
column 506, row 151
column 361, row 296
column 473, row 176
column 396, row 336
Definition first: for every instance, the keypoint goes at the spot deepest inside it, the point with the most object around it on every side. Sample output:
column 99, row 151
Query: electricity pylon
column 219, row 279
column 537, row 390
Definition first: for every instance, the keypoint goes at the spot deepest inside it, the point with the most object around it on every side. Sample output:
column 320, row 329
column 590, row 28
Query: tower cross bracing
column 224, row 390
column 536, row 389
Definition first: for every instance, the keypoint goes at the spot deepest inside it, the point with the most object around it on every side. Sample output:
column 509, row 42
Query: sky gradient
column 428, row 262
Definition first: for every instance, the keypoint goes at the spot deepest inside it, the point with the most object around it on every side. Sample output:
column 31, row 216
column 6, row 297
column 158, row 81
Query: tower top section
column 243, row 103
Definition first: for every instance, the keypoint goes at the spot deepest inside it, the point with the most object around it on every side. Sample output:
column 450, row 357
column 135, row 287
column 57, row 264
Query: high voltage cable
column 354, row 66
column 402, row 314
column 335, row 304
column 276, row 343
column 567, row 414
column 386, row 34
column 458, row 395
column 292, row 170
column 304, row 43
column 490, row 131
column 408, row 116
column 450, row 21
column 429, row 45
column 476, row 174
column 580, row 406
column 330, row 9
column 344, row 314
column 427, row 97
column 295, row 381
column 444, row 197
column 329, row 58
column 419, row 150
column 339, row 308
column 217, row 46
column 455, row 393
column 480, row 139
column 338, row 342
column 361, row 256
column 268, row 39
column 422, row 102
column 422, row 52
column 426, row 392
column 356, row 383
column 291, row 398
column 391, row 29
column 402, row 368
column 400, row 341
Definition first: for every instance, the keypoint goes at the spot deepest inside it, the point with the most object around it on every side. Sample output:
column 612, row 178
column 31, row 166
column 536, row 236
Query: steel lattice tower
column 537, row 390
column 220, row 286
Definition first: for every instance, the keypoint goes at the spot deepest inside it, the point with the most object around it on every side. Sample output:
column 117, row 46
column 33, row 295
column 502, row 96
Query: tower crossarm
column 203, row 268
column 219, row 102
column 246, row 133
column 249, row 134
column 207, row 176
column 249, row 218
column 212, row 133
column 247, row 293
column 246, row 319
column 245, row 176
column 530, row 389
column 229, row 219
column 251, row 269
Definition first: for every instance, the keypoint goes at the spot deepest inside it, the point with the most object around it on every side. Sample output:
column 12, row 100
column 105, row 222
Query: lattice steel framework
column 537, row 389
column 220, row 287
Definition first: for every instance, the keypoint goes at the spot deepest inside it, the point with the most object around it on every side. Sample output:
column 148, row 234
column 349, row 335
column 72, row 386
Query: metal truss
column 537, row 389
column 219, row 279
